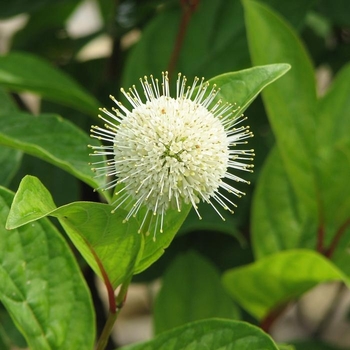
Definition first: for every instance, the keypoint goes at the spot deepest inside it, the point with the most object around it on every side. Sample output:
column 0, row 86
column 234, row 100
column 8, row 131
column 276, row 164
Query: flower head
column 166, row 150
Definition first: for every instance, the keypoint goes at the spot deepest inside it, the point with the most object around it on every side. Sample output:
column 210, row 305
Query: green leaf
column 266, row 284
column 10, row 161
column 177, row 304
column 279, row 221
column 52, row 139
column 291, row 101
column 333, row 163
column 109, row 246
column 26, row 72
column 42, row 287
column 10, row 337
column 31, row 202
column 105, row 241
column 213, row 334
column 154, row 248
column 243, row 86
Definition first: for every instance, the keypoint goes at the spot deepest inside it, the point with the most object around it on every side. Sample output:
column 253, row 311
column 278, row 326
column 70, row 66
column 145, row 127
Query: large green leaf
column 213, row 334
column 109, row 246
column 291, row 101
column 279, row 221
column 177, row 304
column 333, row 141
column 50, row 138
column 42, row 287
column 26, row 72
column 266, row 284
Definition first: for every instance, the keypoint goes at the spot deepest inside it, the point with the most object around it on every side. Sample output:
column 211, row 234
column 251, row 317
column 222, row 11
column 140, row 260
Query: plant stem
column 112, row 316
column 320, row 239
column 272, row 316
column 329, row 252
column 188, row 8
column 102, row 342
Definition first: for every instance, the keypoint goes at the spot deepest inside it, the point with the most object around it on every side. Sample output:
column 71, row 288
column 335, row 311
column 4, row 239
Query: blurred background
column 105, row 45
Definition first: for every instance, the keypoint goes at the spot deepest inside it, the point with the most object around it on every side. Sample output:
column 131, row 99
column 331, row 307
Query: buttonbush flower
column 165, row 151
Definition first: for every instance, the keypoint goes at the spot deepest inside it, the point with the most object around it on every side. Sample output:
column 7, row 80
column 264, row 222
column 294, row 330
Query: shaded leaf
column 50, row 138
column 10, row 161
column 279, row 222
column 26, row 72
column 291, row 101
column 177, row 304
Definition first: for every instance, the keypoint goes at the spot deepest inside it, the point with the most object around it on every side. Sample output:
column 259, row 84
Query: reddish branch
column 320, row 239
column 272, row 316
column 188, row 8
column 329, row 252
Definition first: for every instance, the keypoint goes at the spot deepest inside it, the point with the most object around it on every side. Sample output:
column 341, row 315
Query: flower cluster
column 169, row 150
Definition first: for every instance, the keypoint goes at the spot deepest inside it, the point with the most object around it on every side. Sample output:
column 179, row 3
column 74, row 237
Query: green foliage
column 212, row 334
column 190, row 272
column 50, row 138
column 42, row 287
column 295, row 217
column 272, row 281
column 22, row 71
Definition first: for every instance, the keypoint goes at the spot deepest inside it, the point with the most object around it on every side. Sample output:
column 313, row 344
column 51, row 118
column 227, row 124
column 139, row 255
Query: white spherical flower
column 169, row 150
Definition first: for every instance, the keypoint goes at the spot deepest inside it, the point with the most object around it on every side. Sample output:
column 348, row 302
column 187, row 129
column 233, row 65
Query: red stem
column 188, row 8
column 329, row 252
column 109, row 287
column 272, row 316
column 320, row 239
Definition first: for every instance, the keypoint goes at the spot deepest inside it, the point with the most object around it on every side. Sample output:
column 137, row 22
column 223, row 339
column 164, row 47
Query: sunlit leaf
column 213, row 334
column 109, row 246
column 42, row 287
column 266, row 284
column 291, row 101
